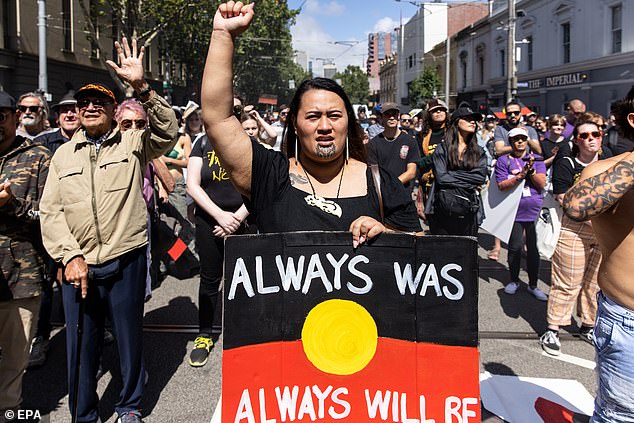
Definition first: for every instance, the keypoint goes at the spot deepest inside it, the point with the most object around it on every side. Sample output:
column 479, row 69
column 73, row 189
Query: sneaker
column 130, row 417
column 538, row 293
column 38, row 351
column 511, row 288
column 585, row 333
column 200, row 353
column 550, row 342
column 108, row 337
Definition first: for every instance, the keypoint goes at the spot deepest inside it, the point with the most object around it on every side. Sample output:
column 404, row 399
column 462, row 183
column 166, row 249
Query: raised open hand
column 233, row 17
column 130, row 68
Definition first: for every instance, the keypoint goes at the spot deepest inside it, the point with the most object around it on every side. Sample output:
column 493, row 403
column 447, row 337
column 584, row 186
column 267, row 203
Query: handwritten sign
column 315, row 330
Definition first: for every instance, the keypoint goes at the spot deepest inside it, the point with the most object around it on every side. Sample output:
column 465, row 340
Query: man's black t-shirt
column 393, row 155
column 280, row 207
column 214, row 179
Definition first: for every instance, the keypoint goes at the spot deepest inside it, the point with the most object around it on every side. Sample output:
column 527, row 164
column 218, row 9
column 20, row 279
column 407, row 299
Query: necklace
column 327, row 206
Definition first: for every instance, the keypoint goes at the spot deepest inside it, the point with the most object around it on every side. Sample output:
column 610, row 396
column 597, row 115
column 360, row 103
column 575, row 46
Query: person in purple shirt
column 510, row 170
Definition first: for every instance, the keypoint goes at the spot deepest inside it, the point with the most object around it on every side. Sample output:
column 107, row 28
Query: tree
column 355, row 82
column 424, row 87
column 263, row 61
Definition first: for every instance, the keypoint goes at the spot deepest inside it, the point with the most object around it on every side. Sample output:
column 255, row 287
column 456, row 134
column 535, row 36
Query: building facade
column 380, row 46
column 388, row 76
column 430, row 26
column 78, row 41
column 567, row 49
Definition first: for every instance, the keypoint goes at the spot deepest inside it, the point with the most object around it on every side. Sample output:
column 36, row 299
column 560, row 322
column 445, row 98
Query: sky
column 322, row 22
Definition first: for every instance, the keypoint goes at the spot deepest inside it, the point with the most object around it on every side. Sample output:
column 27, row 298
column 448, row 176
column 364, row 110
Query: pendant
column 324, row 205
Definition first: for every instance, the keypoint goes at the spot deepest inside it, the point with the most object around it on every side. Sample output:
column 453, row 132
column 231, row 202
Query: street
column 509, row 328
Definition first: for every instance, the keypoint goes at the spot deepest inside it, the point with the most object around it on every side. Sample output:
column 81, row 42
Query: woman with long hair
column 323, row 182
column 460, row 169
column 577, row 256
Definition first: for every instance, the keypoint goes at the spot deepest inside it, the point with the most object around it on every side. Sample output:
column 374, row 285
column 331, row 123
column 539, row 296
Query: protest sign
column 315, row 330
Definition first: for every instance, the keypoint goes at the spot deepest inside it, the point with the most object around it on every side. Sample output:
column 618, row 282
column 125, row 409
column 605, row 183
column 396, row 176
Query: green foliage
column 423, row 87
column 355, row 83
column 263, row 60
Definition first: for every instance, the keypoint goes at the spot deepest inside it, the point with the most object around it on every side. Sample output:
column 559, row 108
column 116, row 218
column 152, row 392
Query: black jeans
column 516, row 242
column 211, row 251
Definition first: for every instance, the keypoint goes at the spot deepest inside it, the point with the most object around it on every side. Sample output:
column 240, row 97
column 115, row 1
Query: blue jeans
column 614, row 346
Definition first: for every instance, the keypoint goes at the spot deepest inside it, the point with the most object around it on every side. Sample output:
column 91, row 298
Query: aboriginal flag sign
column 316, row 331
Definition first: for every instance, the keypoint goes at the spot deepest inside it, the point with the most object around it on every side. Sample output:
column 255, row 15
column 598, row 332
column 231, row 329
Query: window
column 148, row 59
column 565, row 41
column 6, row 35
column 410, row 62
column 617, row 15
column 529, row 52
column 481, row 69
column 67, row 24
column 94, row 19
column 463, row 63
column 502, row 62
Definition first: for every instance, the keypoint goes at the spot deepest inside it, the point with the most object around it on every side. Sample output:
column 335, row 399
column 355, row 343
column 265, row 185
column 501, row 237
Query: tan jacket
column 92, row 204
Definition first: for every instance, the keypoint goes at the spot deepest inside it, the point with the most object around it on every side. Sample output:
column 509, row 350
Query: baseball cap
column 435, row 104
column 464, row 112
column 389, row 106
column 66, row 100
column 94, row 88
column 491, row 117
column 6, row 101
column 518, row 131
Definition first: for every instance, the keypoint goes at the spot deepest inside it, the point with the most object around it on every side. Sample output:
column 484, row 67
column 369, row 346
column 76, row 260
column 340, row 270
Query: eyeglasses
column 513, row 113
column 585, row 135
column 32, row 109
column 138, row 123
column 4, row 115
column 66, row 109
column 97, row 103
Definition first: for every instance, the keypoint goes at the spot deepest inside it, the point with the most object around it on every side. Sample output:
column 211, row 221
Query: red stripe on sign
column 404, row 381
column 177, row 249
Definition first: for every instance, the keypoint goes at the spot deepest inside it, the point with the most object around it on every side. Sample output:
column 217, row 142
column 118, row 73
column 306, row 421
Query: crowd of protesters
column 80, row 200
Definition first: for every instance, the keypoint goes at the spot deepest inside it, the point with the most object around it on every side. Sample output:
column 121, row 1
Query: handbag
column 456, row 202
column 548, row 227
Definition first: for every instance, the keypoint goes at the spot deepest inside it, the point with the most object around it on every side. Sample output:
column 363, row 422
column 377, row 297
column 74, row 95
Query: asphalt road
column 176, row 392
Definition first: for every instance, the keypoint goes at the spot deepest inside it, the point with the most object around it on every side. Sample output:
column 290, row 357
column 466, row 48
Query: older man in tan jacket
column 94, row 222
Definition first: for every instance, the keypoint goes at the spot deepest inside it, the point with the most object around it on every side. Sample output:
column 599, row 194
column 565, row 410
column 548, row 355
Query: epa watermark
column 24, row 414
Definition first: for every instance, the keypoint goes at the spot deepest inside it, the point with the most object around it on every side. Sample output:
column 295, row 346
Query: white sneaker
column 550, row 342
column 538, row 293
column 511, row 288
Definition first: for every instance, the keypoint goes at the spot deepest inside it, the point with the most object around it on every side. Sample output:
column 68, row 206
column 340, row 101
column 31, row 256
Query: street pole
column 41, row 25
column 511, row 79
column 447, row 68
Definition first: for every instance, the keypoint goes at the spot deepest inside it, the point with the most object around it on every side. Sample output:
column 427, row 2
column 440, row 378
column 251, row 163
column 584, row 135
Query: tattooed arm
column 601, row 186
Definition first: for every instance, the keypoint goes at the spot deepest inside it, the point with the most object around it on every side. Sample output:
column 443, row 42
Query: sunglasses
column 32, row 109
column 97, row 103
column 67, row 109
column 137, row 123
column 518, row 138
column 406, row 120
column 4, row 116
column 283, row 113
column 585, row 135
column 516, row 113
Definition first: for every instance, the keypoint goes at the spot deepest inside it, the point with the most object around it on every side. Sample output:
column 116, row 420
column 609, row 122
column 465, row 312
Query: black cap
column 6, row 101
column 464, row 112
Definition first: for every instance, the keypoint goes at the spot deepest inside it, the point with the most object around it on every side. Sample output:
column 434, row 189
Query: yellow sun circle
column 339, row 337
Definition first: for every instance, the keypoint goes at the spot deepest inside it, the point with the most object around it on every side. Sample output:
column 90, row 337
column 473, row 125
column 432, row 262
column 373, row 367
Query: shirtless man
column 605, row 195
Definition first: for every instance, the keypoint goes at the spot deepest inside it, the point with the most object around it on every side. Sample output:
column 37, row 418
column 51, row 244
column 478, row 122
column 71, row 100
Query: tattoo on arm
column 297, row 179
column 595, row 195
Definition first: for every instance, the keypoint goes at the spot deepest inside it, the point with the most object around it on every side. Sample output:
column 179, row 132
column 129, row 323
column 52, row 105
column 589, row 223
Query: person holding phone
column 512, row 170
